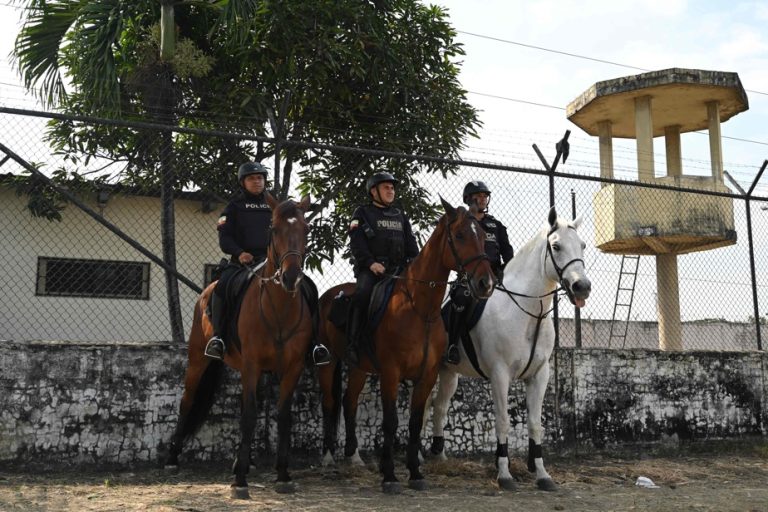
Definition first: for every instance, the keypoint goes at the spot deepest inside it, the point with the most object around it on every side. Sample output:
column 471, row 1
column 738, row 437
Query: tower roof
column 678, row 97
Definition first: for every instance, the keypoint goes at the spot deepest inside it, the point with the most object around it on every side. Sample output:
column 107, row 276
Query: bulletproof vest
column 491, row 228
column 254, row 218
column 388, row 241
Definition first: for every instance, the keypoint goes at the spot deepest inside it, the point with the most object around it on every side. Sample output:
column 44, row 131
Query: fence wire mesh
column 75, row 279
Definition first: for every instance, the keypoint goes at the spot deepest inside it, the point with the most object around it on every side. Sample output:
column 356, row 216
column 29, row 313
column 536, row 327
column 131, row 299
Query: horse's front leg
column 287, row 387
column 535, row 388
column 355, row 384
column 250, row 379
column 421, row 392
column 390, row 381
column 330, row 385
column 500, row 391
column 446, row 388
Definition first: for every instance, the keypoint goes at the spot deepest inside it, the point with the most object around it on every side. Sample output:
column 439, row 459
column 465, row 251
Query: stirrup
column 453, row 356
column 215, row 348
column 320, row 355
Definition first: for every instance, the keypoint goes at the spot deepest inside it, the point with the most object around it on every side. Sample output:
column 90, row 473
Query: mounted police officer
column 244, row 234
column 499, row 252
column 381, row 240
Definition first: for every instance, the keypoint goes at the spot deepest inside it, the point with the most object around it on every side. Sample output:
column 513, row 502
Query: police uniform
column 499, row 252
column 244, row 227
column 376, row 235
column 497, row 245
column 382, row 235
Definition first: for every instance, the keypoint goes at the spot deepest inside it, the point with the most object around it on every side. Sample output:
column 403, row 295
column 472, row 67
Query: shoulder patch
column 354, row 224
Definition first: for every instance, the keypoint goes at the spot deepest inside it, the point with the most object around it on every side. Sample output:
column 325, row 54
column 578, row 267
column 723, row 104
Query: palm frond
column 37, row 50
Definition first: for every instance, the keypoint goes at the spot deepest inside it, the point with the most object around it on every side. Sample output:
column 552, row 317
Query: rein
column 542, row 314
column 275, row 279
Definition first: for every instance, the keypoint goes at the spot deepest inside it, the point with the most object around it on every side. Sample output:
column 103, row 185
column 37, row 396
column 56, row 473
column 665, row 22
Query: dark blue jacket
column 382, row 235
column 497, row 245
column 244, row 227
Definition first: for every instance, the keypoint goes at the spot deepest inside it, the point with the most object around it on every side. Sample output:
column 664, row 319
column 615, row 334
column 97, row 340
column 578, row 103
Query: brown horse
column 275, row 331
column 409, row 342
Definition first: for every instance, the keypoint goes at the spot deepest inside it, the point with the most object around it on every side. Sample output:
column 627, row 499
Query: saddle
column 380, row 295
column 473, row 316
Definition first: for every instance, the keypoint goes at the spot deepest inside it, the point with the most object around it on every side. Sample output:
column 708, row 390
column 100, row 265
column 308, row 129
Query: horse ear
column 450, row 210
column 271, row 201
column 577, row 221
column 552, row 217
column 304, row 204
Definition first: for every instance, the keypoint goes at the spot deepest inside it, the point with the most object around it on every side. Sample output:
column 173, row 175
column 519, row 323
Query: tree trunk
column 164, row 114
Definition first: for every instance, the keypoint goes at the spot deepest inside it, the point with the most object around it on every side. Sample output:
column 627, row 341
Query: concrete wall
column 64, row 403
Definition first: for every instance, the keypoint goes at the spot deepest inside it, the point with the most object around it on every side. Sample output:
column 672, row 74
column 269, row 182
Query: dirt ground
column 704, row 482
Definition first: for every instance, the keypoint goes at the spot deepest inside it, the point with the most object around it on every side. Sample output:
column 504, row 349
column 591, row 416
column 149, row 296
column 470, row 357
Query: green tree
column 378, row 75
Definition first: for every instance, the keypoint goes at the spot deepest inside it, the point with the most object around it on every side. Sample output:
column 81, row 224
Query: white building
column 75, row 280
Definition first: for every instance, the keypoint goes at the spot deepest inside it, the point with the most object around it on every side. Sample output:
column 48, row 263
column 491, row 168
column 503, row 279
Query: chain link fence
column 97, row 275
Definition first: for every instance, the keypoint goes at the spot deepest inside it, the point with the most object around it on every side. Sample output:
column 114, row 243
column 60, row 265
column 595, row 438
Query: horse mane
column 529, row 247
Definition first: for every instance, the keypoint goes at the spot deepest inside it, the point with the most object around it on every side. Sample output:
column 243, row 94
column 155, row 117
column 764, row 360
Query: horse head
column 565, row 251
column 466, row 239
column 288, row 239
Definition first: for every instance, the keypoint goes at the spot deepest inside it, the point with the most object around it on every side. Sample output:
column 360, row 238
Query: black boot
column 355, row 330
column 453, row 355
column 215, row 349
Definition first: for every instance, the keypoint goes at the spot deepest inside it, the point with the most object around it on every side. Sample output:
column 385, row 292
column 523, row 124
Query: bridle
column 561, row 270
column 462, row 264
column 280, row 259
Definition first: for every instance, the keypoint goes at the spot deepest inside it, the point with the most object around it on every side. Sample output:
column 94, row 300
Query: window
column 64, row 277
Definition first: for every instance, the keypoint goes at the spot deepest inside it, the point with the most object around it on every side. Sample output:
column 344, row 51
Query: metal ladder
column 625, row 292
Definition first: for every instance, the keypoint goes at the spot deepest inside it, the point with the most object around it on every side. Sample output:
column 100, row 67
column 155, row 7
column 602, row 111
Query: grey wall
column 66, row 403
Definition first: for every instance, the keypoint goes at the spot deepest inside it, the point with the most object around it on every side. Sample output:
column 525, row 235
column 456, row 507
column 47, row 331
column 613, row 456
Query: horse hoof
column 285, row 487
column 355, row 459
column 418, row 485
column 507, row 484
column 437, row 456
column 171, row 468
column 546, row 484
column 391, row 487
column 327, row 460
column 239, row 493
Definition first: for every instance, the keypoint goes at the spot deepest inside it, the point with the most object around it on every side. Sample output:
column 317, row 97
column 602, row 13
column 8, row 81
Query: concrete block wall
column 80, row 404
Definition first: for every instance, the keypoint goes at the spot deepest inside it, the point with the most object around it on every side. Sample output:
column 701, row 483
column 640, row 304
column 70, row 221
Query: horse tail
column 209, row 384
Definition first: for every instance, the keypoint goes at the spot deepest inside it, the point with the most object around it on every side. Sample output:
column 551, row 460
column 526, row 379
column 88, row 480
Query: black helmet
column 473, row 187
column 249, row 168
column 380, row 177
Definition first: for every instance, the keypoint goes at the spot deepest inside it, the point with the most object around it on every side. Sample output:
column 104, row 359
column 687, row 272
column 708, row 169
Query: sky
column 527, row 60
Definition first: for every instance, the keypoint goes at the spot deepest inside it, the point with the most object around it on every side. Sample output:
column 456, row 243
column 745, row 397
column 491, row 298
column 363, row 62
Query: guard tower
column 647, row 221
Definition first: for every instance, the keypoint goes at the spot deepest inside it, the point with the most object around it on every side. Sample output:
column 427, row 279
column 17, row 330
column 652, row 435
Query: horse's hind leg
column 535, row 388
column 446, row 388
column 355, row 384
column 500, row 391
column 250, row 379
column 330, row 385
column 287, row 387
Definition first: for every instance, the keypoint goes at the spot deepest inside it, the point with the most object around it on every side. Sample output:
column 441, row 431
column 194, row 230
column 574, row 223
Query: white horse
column 515, row 336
